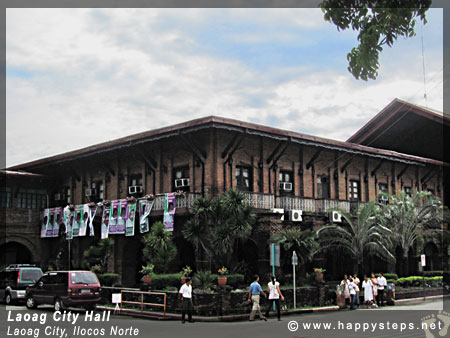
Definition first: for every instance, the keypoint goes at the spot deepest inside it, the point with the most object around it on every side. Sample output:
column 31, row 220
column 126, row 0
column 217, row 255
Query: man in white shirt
column 381, row 284
column 185, row 294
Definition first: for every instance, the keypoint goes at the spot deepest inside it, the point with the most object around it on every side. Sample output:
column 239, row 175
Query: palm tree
column 361, row 236
column 159, row 248
column 411, row 218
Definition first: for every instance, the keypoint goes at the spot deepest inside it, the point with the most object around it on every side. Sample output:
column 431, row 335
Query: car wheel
column 58, row 305
column 30, row 303
column 8, row 299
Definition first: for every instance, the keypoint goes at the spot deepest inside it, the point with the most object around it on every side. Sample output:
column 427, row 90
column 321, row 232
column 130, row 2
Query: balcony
column 260, row 201
column 299, row 203
column 181, row 201
column 324, row 205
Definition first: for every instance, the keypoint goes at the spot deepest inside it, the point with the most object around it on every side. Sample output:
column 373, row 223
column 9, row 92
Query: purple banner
column 169, row 211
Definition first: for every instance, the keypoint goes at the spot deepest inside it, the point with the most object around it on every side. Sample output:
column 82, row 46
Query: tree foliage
column 378, row 23
column 98, row 254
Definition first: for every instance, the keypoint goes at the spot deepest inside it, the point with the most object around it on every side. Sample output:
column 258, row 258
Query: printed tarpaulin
column 131, row 212
column 92, row 212
column 68, row 221
column 105, row 221
column 57, row 221
column 118, row 217
column 45, row 222
column 84, row 220
column 169, row 211
column 77, row 220
column 145, row 207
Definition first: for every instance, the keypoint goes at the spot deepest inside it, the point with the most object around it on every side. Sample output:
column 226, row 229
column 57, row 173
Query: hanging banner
column 68, row 221
column 145, row 207
column 113, row 216
column 123, row 215
column 92, row 212
column 44, row 222
column 169, row 211
column 105, row 221
column 51, row 220
column 57, row 222
column 84, row 220
column 131, row 212
column 77, row 220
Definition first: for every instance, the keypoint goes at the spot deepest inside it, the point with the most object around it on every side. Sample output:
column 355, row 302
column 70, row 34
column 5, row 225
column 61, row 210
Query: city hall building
column 400, row 148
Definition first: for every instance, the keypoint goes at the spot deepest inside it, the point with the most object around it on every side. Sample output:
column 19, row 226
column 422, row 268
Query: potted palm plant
column 186, row 271
column 222, row 280
column 318, row 272
column 147, row 272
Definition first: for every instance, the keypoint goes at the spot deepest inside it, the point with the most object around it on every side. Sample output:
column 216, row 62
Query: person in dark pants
column 273, row 289
column 185, row 294
column 381, row 284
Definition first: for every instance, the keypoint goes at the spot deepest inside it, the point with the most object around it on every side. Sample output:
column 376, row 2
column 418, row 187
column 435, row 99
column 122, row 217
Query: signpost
column 294, row 263
column 423, row 263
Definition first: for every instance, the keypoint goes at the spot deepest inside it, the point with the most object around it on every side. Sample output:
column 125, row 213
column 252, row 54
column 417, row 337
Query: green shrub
column 162, row 281
column 433, row 273
column 108, row 279
column 418, row 280
column 235, row 280
column 204, row 280
column 393, row 276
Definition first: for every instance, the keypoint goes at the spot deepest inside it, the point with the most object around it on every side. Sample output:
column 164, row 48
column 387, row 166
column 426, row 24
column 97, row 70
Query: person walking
column 381, row 285
column 273, row 288
column 351, row 288
column 374, row 281
column 357, row 289
column 185, row 294
column 344, row 286
column 368, row 291
column 254, row 295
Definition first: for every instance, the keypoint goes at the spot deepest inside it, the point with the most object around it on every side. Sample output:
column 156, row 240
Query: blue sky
column 81, row 71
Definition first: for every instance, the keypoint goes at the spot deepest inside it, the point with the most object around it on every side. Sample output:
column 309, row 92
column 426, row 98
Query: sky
column 79, row 77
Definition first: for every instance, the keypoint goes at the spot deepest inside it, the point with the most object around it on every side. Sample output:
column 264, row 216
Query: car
column 64, row 289
column 14, row 280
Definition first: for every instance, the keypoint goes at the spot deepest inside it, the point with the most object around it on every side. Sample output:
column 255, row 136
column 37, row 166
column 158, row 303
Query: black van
column 14, row 280
column 64, row 289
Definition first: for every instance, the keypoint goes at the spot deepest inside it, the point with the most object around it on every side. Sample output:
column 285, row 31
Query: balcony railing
column 324, row 205
column 260, row 201
column 293, row 203
column 181, row 201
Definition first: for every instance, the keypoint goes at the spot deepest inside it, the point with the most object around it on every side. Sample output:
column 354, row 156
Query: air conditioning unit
column 335, row 217
column 286, row 186
column 295, row 215
column 90, row 192
column 134, row 189
column 182, row 182
column 60, row 197
column 279, row 211
column 384, row 198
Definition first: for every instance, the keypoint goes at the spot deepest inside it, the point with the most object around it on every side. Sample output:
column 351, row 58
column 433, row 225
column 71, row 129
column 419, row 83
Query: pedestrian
column 254, row 296
column 368, row 291
column 357, row 289
column 344, row 286
column 273, row 288
column 185, row 294
column 381, row 284
column 352, row 291
column 374, row 281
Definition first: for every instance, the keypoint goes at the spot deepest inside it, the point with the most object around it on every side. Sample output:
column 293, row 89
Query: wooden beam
column 150, row 161
column 346, row 164
column 233, row 150
column 402, row 172
column 269, row 159
column 374, row 171
column 426, row 176
column 229, row 145
column 429, row 177
column 315, row 156
column 198, row 152
column 279, row 155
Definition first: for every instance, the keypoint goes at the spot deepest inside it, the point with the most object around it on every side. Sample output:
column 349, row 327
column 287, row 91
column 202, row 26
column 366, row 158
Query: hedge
column 417, row 281
column 162, row 281
column 108, row 279
column 433, row 273
column 393, row 276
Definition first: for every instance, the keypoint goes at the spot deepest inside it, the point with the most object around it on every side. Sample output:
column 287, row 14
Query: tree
column 361, row 236
column 378, row 24
column 159, row 248
column 411, row 218
column 97, row 255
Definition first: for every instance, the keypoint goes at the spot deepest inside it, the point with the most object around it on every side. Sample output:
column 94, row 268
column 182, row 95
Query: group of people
column 373, row 290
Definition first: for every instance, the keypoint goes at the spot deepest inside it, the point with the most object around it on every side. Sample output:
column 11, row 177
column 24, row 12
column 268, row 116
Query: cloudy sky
column 77, row 77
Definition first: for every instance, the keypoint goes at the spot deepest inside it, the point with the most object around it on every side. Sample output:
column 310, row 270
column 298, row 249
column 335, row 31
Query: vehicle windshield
column 83, row 278
column 30, row 274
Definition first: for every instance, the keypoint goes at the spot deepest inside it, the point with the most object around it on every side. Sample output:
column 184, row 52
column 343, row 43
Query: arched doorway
column 432, row 257
column 15, row 253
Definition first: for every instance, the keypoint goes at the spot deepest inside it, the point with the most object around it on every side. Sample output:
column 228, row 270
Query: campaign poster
column 123, row 215
column 131, row 213
column 77, row 220
column 113, row 215
column 92, row 213
column 84, row 220
column 57, row 221
column 105, row 221
column 51, row 218
column 68, row 221
column 145, row 207
column 44, row 222
column 169, row 211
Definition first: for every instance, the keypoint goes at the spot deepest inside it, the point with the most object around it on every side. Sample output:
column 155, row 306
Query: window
column 353, row 190
column 286, row 184
column 407, row 191
column 244, row 180
column 135, row 185
column 31, row 198
column 5, row 197
column 383, row 188
column 181, row 179
column 323, row 186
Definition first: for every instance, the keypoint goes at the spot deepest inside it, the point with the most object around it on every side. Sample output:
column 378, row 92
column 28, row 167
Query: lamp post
column 294, row 263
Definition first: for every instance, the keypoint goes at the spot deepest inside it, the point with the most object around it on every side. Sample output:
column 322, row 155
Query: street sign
column 294, row 259
column 422, row 258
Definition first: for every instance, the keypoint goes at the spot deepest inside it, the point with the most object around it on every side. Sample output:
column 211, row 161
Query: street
column 406, row 321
